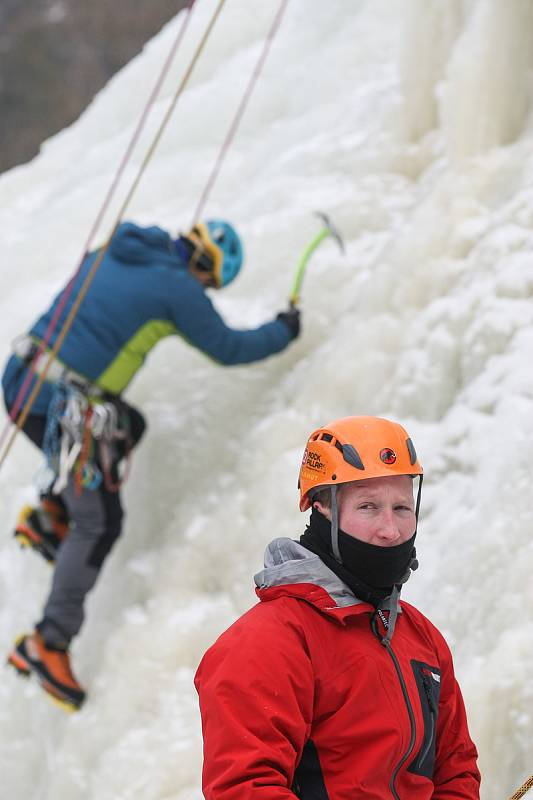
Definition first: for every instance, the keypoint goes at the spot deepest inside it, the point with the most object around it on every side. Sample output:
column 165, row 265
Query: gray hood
column 288, row 562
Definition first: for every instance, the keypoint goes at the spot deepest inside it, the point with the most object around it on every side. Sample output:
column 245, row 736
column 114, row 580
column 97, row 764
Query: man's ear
column 324, row 510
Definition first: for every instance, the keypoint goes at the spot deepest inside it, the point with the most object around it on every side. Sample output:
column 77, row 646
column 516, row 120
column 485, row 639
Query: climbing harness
column 31, row 353
column 523, row 789
column 82, row 423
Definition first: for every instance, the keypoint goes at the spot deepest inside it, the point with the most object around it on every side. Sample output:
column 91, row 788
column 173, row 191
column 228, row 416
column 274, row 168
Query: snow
column 409, row 122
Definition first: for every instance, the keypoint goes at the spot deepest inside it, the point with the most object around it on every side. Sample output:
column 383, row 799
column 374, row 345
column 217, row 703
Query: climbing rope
column 20, row 420
column 523, row 789
column 240, row 111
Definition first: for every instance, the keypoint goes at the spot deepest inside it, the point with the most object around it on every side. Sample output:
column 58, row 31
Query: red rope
column 240, row 112
column 21, row 395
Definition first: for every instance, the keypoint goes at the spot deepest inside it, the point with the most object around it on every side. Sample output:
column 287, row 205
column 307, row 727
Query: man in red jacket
column 330, row 687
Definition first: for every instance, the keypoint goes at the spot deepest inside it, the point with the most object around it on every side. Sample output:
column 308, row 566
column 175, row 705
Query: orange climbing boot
column 51, row 667
column 42, row 528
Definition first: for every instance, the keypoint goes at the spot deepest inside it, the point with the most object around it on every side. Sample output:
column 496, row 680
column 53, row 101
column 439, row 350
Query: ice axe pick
column 327, row 230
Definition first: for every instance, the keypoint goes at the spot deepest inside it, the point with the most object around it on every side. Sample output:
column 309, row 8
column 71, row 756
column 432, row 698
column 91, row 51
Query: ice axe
column 328, row 229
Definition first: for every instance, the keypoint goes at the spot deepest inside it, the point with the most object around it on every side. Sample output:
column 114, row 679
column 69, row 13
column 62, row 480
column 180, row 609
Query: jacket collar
column 293, row 571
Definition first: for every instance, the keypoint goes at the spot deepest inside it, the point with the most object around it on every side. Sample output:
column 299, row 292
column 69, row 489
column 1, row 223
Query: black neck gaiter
column 369, row 570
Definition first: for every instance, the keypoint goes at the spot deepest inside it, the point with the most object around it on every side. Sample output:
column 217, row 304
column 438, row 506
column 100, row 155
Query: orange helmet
column 354, row 449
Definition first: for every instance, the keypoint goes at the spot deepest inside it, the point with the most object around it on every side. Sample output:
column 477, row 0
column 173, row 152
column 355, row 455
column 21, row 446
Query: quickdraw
column 86, row 437
column 85, row 473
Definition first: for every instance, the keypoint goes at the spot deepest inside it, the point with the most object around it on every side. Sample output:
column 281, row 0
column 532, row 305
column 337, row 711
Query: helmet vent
column 412, row 451
column 351, row 455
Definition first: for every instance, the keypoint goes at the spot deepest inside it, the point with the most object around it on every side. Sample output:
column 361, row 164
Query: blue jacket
column 142, row 291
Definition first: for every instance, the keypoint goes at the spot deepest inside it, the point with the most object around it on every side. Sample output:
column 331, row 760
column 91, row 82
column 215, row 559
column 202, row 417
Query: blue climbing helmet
column 217, row 249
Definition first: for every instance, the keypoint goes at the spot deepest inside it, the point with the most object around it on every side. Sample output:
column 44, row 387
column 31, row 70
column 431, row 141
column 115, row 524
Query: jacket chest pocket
column 428, row 684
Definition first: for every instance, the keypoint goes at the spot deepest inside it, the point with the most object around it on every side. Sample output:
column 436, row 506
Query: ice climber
column 148, row 286
column 331, row 687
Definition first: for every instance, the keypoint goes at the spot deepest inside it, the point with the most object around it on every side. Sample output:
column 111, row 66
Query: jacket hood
column 293, row 570
column 141, row 246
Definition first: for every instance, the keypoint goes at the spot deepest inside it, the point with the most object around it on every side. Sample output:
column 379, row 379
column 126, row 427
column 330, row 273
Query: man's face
column 379, row 511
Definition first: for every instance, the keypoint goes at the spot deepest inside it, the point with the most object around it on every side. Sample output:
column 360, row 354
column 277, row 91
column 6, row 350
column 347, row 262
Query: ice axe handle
column 302, row 264
column 328, row 230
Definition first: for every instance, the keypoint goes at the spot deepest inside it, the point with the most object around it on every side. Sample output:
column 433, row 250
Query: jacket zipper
column 432, row 712
column 410, row 747
column 410, row 711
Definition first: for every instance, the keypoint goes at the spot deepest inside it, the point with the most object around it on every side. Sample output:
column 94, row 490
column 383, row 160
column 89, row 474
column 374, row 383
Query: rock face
column 56, row 54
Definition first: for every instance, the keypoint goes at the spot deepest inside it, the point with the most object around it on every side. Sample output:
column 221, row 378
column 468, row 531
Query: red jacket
column 299, row 697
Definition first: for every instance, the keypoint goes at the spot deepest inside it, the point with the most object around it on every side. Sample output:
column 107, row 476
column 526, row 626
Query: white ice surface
column 409, row 121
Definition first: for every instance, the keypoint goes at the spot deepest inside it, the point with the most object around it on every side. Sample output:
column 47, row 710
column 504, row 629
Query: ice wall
column 409, row 122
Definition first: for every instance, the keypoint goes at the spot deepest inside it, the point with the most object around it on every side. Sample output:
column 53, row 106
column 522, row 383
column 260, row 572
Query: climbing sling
column 87, row 435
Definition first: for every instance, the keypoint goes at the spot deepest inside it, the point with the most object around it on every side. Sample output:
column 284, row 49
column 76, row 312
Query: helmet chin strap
column 392, row 601
column 418, row 499
column 335, row 525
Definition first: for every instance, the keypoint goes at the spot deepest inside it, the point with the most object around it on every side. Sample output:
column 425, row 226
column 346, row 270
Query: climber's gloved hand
column 291, row 318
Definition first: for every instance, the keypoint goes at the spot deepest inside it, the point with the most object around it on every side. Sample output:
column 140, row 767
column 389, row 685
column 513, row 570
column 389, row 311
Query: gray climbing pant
column 95, row 525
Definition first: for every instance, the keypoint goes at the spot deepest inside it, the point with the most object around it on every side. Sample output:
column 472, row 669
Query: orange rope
column 523, row 789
